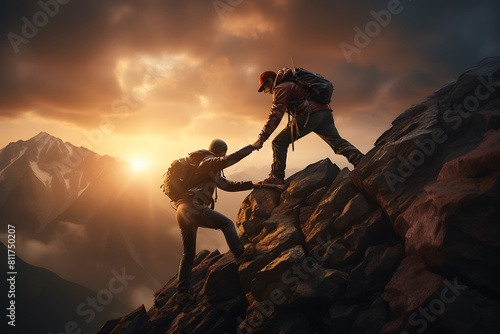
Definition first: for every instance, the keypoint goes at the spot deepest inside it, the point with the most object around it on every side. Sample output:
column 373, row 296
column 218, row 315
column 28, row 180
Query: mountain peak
column 44, row 137
column 44, row 164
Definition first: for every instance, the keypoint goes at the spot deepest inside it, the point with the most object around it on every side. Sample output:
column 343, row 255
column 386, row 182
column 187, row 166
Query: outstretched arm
column 281, row 99
column 228, row 185
column 215, row 164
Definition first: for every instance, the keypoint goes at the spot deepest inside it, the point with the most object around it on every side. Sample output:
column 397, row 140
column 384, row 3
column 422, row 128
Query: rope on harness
column 293, row 123
column 214, row 199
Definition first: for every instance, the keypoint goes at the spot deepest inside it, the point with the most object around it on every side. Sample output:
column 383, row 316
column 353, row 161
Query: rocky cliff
column 407, row 242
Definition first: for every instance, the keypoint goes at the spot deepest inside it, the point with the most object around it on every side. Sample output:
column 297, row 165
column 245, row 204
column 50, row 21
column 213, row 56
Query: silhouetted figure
column 307, row 116
column 195, row 209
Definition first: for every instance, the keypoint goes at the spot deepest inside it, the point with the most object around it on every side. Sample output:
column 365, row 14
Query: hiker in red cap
column 307, row 113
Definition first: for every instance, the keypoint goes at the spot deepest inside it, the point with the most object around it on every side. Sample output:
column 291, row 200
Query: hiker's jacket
column 290, row 97
column 208, row 175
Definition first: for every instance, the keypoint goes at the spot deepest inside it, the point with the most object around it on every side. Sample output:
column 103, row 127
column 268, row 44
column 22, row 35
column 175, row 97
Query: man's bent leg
column 281, row 142
column 280, row 150
column 329, row 133
column 212, row 219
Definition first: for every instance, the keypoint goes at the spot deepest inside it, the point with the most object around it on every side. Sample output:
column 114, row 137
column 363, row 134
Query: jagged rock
column 372, row 319
column 435, row 174
column 131, row 323
column 286, row 322
column 306, row 212
column 164, row 294
column 272, row 282
column 406, row 242
column 409, row 287
column 481, row 312
column 213, row 318
column 282, row 238
column 355, row 211
column 318, row 229
column 224, row 273
column 349, row 248
column 109, row 326
column 254, row 210
column 304, row 183
column 452, row 307
column 291, row 322
column 374, row 272
column 340, row 317
column 294, row 276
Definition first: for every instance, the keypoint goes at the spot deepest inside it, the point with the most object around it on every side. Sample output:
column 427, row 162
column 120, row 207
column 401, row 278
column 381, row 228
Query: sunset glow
column 99, row 98
column 168, row 77
column 139, row 164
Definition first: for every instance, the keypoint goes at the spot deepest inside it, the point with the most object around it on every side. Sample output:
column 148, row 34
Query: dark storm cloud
column 413, row 84
column 69, row 64
column 67, row 71
column 451, row 35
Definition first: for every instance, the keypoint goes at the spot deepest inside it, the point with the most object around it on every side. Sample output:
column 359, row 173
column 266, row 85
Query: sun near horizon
column 139, row 164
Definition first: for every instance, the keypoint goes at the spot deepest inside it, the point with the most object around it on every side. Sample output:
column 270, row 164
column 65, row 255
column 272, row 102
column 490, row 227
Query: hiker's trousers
column 319, row 122
column 190, row 216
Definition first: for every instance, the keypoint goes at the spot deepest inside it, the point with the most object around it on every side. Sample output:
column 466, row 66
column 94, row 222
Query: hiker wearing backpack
column 195, row 206
column 305, row 96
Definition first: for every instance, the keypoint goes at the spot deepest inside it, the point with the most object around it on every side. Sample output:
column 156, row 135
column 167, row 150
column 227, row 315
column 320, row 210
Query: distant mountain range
column 46, row 303
column 82, row 215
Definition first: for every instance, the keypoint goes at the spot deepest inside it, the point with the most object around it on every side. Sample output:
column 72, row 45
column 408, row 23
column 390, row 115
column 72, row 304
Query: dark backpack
column 179, row 178
column 321, row 88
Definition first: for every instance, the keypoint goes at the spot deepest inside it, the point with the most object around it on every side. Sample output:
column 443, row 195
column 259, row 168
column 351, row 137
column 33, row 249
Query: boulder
column 254, row 210
column 374, row 272
column 224, row 273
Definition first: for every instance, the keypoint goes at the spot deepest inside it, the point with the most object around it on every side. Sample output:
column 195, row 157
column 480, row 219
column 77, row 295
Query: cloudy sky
column 150, row 80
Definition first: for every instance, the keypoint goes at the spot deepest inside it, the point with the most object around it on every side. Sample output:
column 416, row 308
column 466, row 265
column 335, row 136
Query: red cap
column 264, row 76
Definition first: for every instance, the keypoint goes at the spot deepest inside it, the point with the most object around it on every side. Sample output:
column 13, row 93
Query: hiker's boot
column 184, row 298
column 273, row 179
column 246, row 255
column 356, row 159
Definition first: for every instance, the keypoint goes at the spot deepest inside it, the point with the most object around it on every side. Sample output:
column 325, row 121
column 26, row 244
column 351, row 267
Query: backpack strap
column 214, row 199
column 292, row 119
column 309, row 112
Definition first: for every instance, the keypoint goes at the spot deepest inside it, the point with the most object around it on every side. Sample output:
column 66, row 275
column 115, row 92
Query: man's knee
column 227, row 224
column 280, row 142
